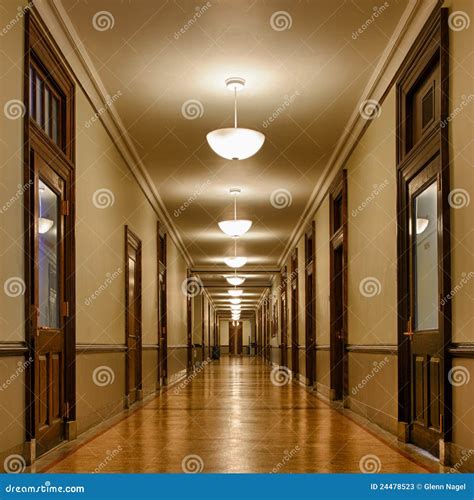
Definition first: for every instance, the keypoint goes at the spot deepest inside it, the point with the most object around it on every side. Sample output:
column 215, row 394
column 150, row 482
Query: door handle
column 409, row 332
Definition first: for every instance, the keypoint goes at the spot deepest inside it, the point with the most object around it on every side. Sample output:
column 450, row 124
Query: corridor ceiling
column 306, row 63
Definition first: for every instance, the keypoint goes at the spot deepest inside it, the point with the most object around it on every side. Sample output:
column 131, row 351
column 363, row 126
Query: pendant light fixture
column 235, row 262
column 44, row 224
column 235, row 292
column 234, row 280
column 235, row 301
column 235, row 143
column 235, row 227
column 421, row 224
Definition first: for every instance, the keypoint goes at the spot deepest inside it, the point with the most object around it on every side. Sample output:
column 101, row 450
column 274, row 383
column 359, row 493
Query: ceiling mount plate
column 235, row 83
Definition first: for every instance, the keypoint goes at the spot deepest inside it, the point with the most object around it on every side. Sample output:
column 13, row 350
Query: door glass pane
column 47, row 118
column 426, row 259
column 48, row 262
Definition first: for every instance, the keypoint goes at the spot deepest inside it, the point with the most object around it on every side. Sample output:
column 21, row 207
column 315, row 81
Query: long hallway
column 236, row 415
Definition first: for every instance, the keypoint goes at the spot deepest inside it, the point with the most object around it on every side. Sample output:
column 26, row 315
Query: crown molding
column 409, row 27
column 54, row 16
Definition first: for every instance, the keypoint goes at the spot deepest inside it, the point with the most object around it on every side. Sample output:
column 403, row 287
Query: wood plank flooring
column 232, row 418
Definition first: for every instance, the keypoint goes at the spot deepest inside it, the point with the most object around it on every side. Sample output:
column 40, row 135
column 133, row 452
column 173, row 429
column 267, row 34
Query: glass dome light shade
column 235, row 143
column 235, row 228
column 44, row 225
column 235, row 292
column 235, row 262
column 421, row 224
column 235, row 301
column 235, row 280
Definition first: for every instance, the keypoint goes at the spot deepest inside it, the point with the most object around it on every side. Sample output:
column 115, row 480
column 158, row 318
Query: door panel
column 426, row 344
column 133, row 316
column 284, row 319
column 49, row 340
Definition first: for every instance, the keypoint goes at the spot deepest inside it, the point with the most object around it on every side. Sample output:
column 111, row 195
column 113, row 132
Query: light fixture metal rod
column 235, row 107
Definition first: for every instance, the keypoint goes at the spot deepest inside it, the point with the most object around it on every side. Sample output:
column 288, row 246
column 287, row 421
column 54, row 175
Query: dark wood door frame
column 310, row 304
column 60, row 158
column 338, row 325
column 294, row 290
column 284, row 318
column 189, row 324
column 133, row 244
column 162, row 322
column 415, row 151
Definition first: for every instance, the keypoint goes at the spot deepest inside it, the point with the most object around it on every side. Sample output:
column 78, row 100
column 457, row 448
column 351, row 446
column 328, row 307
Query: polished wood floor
column 232, row 418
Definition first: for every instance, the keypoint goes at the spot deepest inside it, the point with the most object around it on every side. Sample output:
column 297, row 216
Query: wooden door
column 133, row 309
column 284, row 319
column 162, row 304
column 189, row 326
column 423, row 326
column 338, row 286
column 310, row 306
column 294, row 314
column 235, row 338
column 51, row 306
